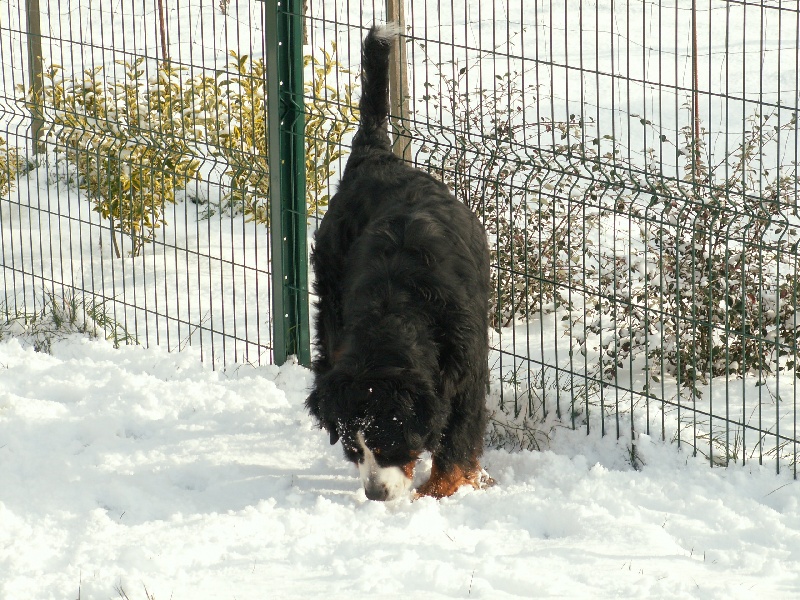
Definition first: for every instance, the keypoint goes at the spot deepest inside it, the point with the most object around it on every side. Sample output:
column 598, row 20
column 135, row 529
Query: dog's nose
column 376, row 492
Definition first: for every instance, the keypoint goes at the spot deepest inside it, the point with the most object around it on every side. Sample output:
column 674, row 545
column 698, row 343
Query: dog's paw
column 485, row 480
column 442, row 485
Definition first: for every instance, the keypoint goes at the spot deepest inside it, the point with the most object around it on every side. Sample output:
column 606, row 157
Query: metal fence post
column 288, row 227
column 33, row 25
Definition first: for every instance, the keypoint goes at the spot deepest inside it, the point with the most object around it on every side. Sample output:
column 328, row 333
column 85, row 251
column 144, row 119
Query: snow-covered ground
column 135, row 468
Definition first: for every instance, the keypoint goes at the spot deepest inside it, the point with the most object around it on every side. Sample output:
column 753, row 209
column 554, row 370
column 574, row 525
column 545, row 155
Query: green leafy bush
column 134, row 142
column 10, row 164
column 127, row 140
column 330, row 116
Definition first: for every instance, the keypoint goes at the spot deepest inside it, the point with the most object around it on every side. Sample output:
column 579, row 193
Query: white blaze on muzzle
column 380, row 483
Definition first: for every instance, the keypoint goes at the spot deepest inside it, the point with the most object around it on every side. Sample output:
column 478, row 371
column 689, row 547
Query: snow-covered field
column 132, row 469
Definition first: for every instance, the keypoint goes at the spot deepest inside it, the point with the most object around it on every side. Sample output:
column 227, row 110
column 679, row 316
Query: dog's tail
column 374, row 105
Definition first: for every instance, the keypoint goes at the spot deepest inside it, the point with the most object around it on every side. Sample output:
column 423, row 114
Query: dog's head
column 384, row 424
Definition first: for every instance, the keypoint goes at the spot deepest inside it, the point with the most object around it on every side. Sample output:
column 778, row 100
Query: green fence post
column 288, row 227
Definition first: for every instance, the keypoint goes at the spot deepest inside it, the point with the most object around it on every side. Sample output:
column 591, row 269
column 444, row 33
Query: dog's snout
column 376, row 492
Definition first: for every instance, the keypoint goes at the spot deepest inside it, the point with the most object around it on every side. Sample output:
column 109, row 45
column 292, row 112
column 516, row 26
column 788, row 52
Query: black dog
column 402, row 281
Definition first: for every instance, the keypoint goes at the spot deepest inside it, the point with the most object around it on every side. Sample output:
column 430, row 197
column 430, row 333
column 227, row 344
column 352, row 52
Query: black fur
column 402, row 281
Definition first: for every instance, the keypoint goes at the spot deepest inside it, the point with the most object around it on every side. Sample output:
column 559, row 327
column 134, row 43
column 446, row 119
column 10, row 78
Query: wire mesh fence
column 634, row 163
column 139, row 200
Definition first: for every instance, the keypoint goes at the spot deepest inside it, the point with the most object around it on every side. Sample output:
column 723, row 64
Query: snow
column 139, row 469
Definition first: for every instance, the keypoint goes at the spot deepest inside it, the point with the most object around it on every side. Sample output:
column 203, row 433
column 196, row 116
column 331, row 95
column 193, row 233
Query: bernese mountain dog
column 402, row 285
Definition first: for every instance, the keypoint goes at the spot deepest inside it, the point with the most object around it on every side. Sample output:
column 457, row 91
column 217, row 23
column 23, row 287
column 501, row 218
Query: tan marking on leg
column 445, row 483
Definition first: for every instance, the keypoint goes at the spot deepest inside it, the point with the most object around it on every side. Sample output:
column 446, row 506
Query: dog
column 402, row 285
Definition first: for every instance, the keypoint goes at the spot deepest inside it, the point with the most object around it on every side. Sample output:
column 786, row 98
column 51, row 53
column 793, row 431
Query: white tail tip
column 388, row 32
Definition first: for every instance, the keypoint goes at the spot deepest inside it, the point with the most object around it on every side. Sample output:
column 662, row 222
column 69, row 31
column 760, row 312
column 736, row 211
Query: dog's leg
column 455, row 462
column 443, row 483
column 408, row 469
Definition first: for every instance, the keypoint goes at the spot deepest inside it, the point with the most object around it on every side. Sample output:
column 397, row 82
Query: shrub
column 134, row 143
column 507, row 179
column 59, row 316
column 126, row 140
column 727, row 251
column 704, row 282
column 10, row 164
column 718, row 287
column 330, row 116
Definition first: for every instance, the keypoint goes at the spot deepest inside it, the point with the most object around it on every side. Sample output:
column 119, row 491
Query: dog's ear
column 313, row 402
column 315, row 405
column 414, row 439
column 331, row 427
column 330, row 402
column 419, row 423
